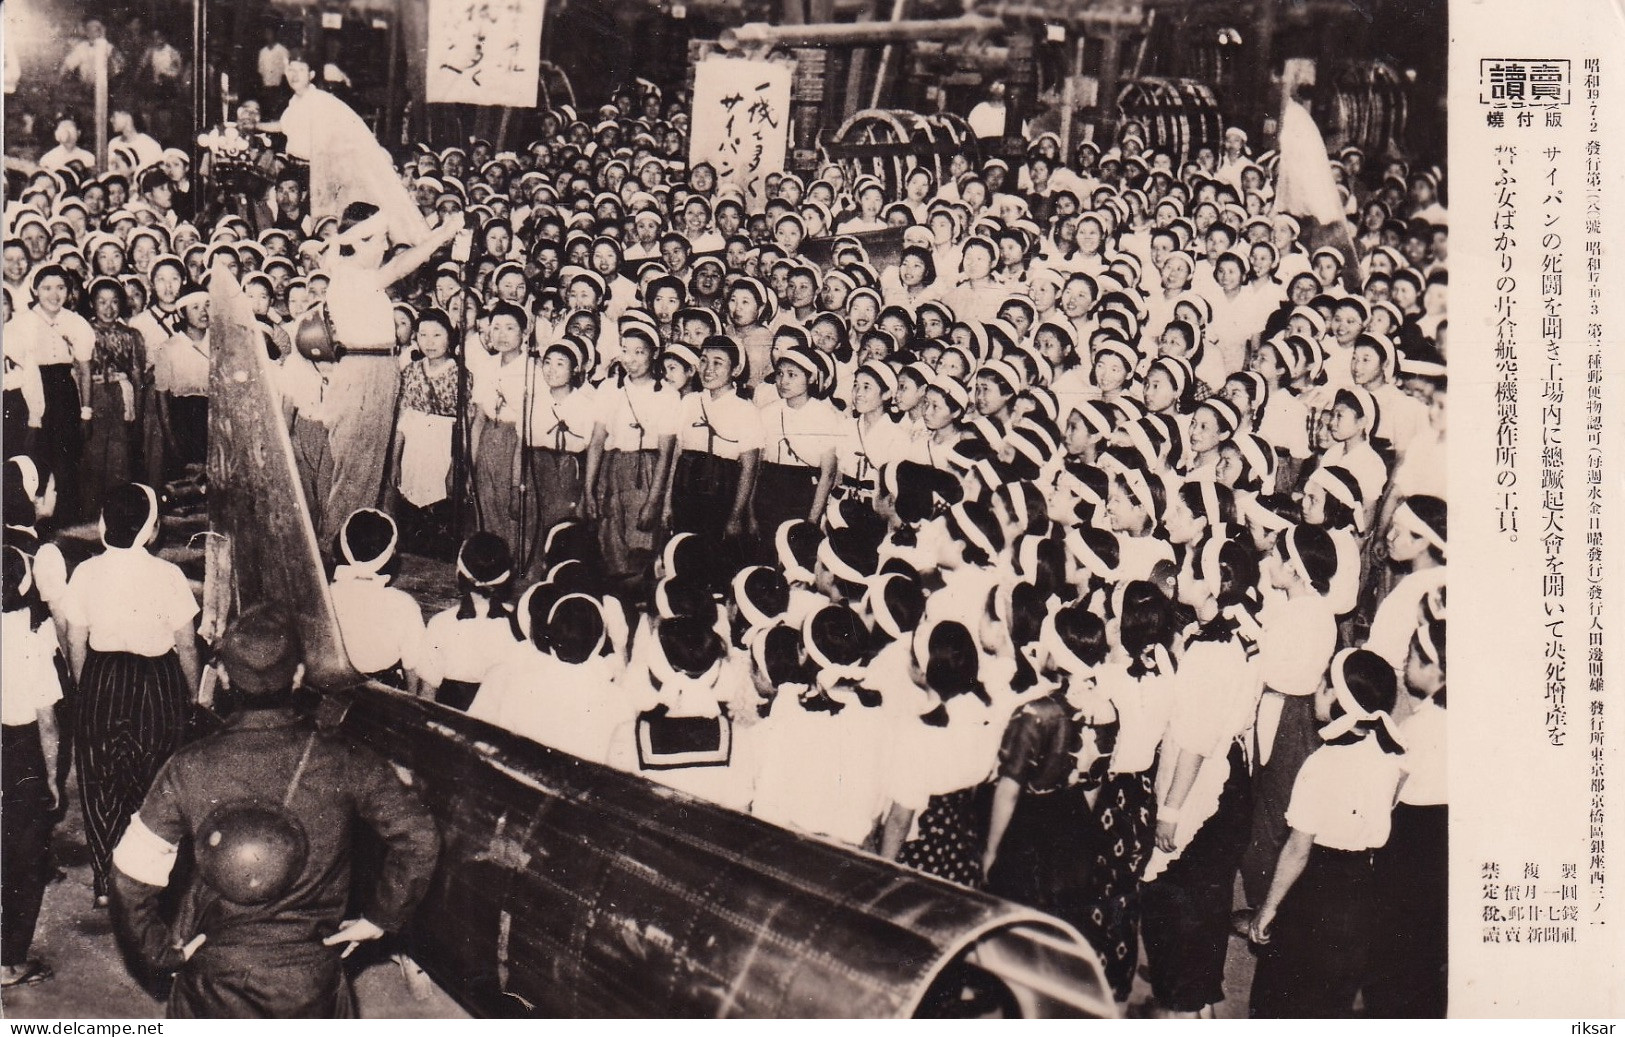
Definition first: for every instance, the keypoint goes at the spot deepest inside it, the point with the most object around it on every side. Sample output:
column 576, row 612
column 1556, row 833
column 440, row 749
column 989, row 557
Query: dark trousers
column 1408, row 977
column 1186, row 910
column 25, row 842
column 131, row 717
column 15, row 434
column 60, row 437
column 1296, row 737
column 270, row 981
column 1315, row 960
column 702, row 498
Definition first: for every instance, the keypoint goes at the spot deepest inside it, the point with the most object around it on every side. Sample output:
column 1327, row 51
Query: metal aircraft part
column 571, row 889
column 255, row 501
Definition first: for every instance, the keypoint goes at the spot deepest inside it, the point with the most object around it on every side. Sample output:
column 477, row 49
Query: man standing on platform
column 361, row 385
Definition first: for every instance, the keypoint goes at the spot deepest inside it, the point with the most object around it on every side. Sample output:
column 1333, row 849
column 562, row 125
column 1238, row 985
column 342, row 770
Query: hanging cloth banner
column 484, row 52
column 741, row 122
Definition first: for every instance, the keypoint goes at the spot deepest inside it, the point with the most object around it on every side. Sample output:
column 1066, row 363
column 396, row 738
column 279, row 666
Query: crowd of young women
column 1071, row 529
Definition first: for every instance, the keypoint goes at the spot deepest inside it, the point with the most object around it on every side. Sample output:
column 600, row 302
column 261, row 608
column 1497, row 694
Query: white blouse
column 801, row 436
column 635, row 416
column 723, row 425
column 129, row 601
column 462, row 649
column 1344, row 795
column 27, row 668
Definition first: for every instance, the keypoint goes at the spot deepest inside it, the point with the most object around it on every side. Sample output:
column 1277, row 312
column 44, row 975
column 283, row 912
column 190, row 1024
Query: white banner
column 484, row 51
column 741, row 121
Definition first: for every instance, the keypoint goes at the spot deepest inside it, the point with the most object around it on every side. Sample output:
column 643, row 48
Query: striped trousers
column 131, row 718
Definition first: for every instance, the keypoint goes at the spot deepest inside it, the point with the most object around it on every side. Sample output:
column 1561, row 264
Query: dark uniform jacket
column 268, row 960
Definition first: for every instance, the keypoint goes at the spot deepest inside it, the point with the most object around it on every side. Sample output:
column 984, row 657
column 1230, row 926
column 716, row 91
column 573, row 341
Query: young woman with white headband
column 1203, row 794
column 1212, row 424
column 633, row 438
column 181, row 381
column 1300, row 635
column 463, row 643
column 132, row 649
column 1036, row 851
column 1332, row 501
column 564, row 694
column 799, row 434
column 965, row 561
column 822, row 753
column 718, row 453
column 1135, row 507
column 382, row 626
column 945, row 404
column 1416, row 543
column 1314, row 928
column 795, row 545
column 1353, row 415
column 940, row 759
column 27, row 766
column 1408, row 976
column 871, row 438
column 1134, row 692
column 694, row 717
column 561, row 418
column 29, row 503
column 893, row 606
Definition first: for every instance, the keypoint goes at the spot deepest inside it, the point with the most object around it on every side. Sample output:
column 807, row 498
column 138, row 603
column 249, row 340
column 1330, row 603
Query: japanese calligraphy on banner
column 484, row 51
column 741, row 121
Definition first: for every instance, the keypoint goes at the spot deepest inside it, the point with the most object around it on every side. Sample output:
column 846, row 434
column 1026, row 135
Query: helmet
column 251, row 852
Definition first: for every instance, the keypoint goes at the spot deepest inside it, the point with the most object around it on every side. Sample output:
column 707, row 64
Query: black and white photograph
column 770, row 508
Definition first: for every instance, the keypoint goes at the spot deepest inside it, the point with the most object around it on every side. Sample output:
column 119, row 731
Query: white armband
column 144, row 855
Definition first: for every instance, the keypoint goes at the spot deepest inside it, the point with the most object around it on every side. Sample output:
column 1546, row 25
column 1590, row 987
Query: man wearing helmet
column 267, row 805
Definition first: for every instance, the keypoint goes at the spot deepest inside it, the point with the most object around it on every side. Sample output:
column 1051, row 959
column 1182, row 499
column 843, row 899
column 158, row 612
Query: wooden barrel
column 1369, row 106
column 1180, row 116
column 888, row 144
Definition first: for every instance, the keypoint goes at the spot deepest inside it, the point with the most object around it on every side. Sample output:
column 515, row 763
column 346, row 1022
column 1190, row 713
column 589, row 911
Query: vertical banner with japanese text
column 1536, row 357
column 741, row 121
column 484, row 52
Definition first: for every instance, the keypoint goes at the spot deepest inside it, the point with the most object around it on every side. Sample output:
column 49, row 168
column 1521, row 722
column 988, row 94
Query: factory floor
column 92, row 980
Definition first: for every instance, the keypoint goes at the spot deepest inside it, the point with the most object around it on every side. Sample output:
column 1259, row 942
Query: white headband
column 793, row 569
column 830, row 672
column 669, row 555
column 1139, row 487
column 974, row 533
column 1295, row 559
column 838, row 565
column 1087, row 557
column 1340, row 491
column 597, row 607
column 1424, row 641
column 30, row 474
column 1049, row 640
column 1413, row 522
column 682, row 694
column 147, row 527
column 372, row 566
column 521, row 610
column 1018, row 505
column 26, row 584
column 747, row 608
column 874, row 601
column 1353, row 713
column 462, row 570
